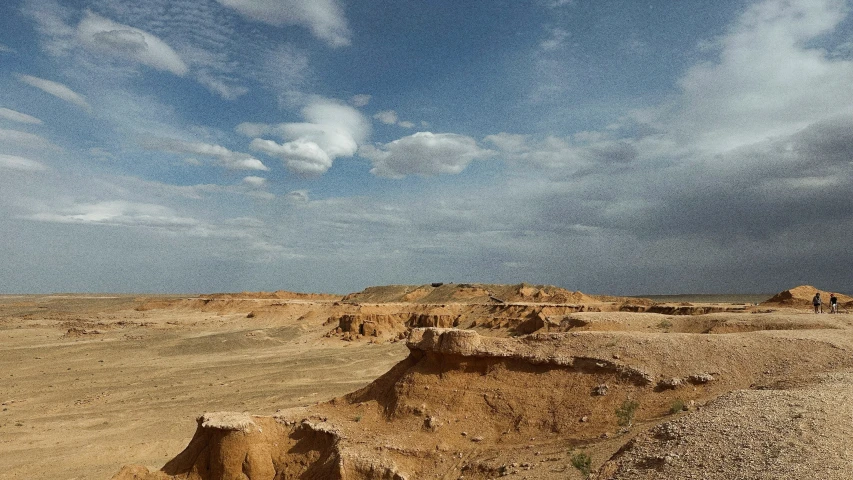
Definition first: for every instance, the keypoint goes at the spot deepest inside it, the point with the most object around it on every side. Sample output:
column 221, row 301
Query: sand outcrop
column 459, row 397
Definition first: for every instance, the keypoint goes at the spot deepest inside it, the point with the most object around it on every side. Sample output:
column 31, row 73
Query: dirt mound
column 472, row 293
column 801, row 297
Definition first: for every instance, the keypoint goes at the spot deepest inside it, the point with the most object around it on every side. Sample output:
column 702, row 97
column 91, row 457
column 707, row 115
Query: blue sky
column 621, row 147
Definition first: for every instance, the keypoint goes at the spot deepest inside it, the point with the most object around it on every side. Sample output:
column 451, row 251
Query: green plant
column 676, row 406
column 357, row 419
column 665, row 324
column 583, row 463
column 625, row 413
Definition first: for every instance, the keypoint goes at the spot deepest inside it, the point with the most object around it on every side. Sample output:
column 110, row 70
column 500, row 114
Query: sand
column 94, row 383
column 91, row 384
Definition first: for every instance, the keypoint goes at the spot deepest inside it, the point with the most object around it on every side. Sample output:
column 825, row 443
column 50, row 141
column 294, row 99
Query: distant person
column 817, row 303
column 833, row 303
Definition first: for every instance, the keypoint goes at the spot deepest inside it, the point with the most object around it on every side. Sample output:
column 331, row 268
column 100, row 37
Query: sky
column 619, row 147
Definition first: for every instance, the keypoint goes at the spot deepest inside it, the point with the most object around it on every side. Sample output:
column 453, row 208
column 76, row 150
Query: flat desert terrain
column 441, row 381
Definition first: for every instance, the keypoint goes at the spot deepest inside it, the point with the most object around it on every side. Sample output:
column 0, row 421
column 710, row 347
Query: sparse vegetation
column 583, row 463
column 625, row 413
column 665, row 324
column 357, row 419
column 676, row 406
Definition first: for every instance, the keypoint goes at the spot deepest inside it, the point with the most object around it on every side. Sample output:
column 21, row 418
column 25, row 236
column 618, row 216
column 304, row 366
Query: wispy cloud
column 13, row 162
column 556, row 39
column 360, row 100
column 6, row 49
column 117, row 212
column 325, row 18
column 389, row 117
column 225, row 157
column 19, row 117
column 56, row 89
column 25, row 140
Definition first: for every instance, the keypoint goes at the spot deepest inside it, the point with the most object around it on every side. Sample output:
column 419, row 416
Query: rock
column 600, row 390
column 670, row 383
column 700, row 378
column 431, row 423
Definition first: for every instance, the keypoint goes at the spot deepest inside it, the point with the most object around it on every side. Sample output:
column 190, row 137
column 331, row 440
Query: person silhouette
column 818, row 308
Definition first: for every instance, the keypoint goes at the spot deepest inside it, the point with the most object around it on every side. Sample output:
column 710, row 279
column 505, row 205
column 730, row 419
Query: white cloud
column 57, row 90
column 4, row 48
column 101, row 154
column 552, row 152
column 388, row 117
column 14, row 116
column 510, row 142
column 559, row 3
column 25, row 140
column 117, row 212
column 556, row 40
column 255, row 182
column 104, row 36
column 325, row 18
column 332, row 130
column 227, row 158
column 765, row 82
column 218, row 86
column 20, row 163
column 300, row 156
column 297, row 196
column 360, row 100
column 423, row 153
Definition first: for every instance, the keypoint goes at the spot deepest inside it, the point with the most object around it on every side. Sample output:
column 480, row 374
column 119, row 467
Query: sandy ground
column 90, row 384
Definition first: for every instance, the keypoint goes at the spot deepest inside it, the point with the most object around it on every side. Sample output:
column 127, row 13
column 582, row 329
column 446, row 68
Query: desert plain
column 446, row 381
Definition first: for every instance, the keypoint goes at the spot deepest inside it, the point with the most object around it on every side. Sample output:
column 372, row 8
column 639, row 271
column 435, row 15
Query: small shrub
column 583, row 463
column 665, row 324
column 625, row 413
column 357, row 419
column 676, row 406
